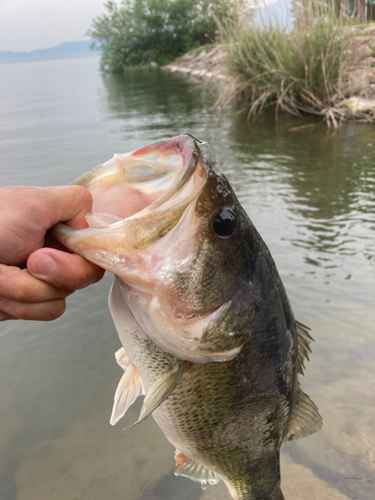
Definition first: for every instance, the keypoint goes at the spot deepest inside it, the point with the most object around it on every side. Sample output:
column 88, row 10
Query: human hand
column 38, row 291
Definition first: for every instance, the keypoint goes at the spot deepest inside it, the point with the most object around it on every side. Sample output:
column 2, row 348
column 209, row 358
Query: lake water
column 310, row 193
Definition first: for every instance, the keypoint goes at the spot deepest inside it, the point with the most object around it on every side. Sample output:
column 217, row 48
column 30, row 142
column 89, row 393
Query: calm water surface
column 310, row 192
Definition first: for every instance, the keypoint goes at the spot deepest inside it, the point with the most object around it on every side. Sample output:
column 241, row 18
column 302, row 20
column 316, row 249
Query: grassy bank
column 303, row 60
column 302, row 57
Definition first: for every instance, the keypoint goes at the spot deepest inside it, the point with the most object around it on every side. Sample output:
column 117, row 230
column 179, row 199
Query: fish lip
column 185, row 144
column 144, row 228
column 190, row 152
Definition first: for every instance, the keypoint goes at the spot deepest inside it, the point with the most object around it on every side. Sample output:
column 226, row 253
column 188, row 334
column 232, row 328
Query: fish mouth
column 147, row 189
column 139, row 197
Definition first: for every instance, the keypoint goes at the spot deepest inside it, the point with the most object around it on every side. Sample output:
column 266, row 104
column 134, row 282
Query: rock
column 359, row 104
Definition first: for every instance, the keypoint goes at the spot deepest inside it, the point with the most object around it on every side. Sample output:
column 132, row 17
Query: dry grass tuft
column 301, row 64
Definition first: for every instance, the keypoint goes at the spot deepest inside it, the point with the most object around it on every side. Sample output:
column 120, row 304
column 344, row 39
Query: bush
column 300, row 66
column 139, row 32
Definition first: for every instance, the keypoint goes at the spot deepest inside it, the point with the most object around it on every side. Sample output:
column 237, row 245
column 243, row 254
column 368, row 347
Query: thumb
column 68, row 204
column 63, row 270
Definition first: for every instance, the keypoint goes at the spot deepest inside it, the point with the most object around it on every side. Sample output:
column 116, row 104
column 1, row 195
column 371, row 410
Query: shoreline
column 209, row 64
column 206, row 65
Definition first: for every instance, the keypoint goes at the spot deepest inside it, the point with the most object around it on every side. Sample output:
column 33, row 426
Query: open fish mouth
column 145, row 229
column 138, row 197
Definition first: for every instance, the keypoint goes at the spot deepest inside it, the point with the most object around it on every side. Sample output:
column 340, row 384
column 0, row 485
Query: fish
column 207, row 333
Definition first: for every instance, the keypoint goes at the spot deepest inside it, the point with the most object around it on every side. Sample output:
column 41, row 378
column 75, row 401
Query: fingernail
column 43, row 265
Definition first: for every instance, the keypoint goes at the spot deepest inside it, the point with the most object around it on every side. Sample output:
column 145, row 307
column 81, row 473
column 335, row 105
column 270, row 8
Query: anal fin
column 305, row 418
column 128, row 390
column 188, row 467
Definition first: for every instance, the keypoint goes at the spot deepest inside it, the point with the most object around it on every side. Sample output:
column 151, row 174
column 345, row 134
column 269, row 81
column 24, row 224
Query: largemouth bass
column 207, row 331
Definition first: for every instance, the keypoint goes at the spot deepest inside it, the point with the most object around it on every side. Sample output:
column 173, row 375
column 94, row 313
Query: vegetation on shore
column 307, row 65
column 300, row 58
column 154, row 32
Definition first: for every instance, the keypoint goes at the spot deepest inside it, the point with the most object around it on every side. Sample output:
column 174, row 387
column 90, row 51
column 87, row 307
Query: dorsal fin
column 304, row 340
column 128, row 390
column 305, row 418
column 187, row 467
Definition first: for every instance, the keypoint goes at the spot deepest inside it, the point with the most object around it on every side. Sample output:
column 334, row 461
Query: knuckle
column 15, row 286
column 22, row 292
column 35, row 200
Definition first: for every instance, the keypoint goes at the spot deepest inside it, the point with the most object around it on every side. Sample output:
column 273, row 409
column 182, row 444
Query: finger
column 67, row 203
column 19, row 285
column 63, row 270
column 4, row 316
column 43, row 311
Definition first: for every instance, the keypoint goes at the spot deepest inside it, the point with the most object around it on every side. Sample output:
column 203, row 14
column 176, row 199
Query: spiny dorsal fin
column 188, row 467
column 304, row 340
column 122, row 358
column 128, row 390
column 161, row 390
column 305, row 418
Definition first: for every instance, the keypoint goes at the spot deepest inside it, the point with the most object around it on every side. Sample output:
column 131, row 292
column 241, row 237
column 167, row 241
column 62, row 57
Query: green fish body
column 207, row 332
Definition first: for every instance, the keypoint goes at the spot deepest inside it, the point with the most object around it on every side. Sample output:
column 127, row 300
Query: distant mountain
column 66, row 49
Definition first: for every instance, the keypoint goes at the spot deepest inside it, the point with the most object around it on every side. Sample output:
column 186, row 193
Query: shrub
column 139, row 32
column 298, row 62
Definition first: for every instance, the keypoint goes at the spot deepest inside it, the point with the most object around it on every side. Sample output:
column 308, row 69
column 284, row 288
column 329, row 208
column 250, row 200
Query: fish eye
column 225, row 223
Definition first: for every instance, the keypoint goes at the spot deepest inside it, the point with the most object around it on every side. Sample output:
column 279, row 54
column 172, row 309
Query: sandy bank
column 208, row 65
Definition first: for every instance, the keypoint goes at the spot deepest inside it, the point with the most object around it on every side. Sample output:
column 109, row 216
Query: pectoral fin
column 188, row 467
column 122, row 358
column 128, row 390
column 161, row 390
column 305, row 419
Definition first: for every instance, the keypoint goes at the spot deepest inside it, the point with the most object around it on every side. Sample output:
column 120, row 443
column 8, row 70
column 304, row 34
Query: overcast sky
column 37, row 24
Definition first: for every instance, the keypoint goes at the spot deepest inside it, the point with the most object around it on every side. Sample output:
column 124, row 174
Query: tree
column 154, row 31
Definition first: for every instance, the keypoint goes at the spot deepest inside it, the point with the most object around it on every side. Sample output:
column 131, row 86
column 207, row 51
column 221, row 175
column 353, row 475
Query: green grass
column 299, row 68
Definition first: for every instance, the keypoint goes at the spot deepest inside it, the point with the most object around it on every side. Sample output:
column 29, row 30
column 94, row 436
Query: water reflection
column 168, row 487
column 331, row 175
column 169, row 107
column 311, row 195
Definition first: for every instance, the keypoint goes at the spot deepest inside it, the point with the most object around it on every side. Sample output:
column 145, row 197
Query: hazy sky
column 36, row 24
